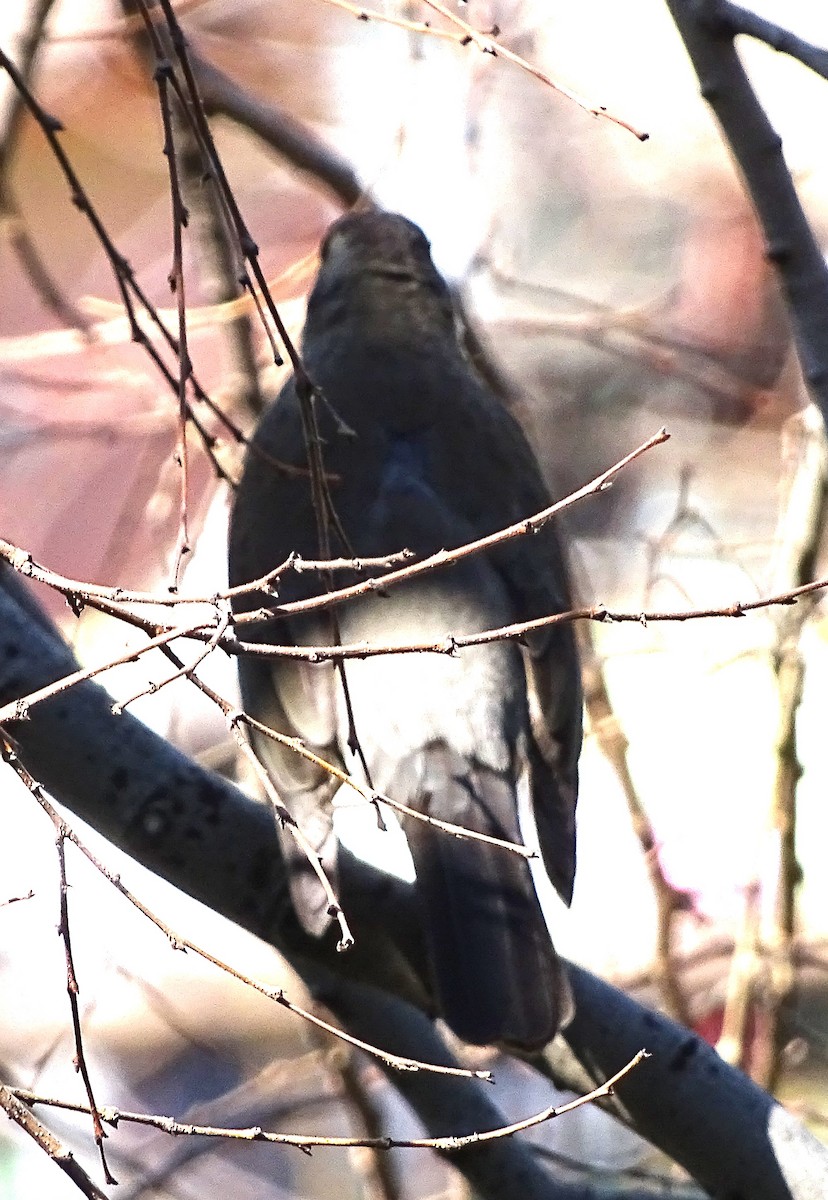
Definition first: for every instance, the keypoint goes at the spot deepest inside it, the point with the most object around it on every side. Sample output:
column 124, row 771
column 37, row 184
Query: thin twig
column 46, row 1140
column 182, row 672
column 488, row 43
column 79, row 592
column 204, row 631
column 801, row 535
column 162, row 76
column 18, row 710
column 285, row 817
column 13, row 222
column 454, row 642
column 178, row 942
column 307, row 1142
column 128, row 287
column 446, row 557
column 372, row 796
column 670, row 900
column 72, row 991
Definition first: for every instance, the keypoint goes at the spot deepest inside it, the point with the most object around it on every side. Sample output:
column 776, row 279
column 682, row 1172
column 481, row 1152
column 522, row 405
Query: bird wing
column 295, row 698
column 534, row 570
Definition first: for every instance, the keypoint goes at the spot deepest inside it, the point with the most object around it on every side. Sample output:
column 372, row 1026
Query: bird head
column 377, row 266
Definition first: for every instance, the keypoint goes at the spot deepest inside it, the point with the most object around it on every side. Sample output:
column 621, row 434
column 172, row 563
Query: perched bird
column 418, row 454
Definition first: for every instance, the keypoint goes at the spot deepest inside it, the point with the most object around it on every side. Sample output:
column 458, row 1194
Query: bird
column 419, row 455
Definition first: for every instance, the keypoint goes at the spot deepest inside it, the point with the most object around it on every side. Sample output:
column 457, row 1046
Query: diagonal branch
column 203, row 835
column 757, row 148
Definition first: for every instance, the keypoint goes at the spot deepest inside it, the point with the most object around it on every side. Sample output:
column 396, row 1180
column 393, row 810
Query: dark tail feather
column 498, row 977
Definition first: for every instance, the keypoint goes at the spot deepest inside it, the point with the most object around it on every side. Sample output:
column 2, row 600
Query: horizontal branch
column 302, row 1141
column 450, row 645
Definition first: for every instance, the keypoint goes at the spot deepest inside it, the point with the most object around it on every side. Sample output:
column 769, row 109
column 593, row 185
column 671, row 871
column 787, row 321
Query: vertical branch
column 13, row 222
column 180, row 218
column 307, row 392
column 72, row 991
column 376, row 1170
column 708, row 30
column 208, row 216
column 752, row 992
column 612, row 740
column 800, row 536
column 734, row 1043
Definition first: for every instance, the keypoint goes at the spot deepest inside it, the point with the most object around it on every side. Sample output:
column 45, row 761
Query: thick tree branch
column 742, row 20
column 201, row 833
column 757, row 148
column 296, row 142
column 733, row 1137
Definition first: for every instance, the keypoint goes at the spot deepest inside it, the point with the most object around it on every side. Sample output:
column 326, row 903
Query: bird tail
column 496, row 972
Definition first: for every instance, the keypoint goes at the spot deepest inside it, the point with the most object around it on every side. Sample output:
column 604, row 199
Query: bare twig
column 178, row 942
column 180, row 217
column 46, row 1140
column 18, row 710
column 14, row 225
column 285, row 818
column 488, row 43
column 72, row 990
column 78, row 593
column 670, row 900
column 372, row 796
column 280, row 1091
column 307, row 1142
column 185, row 671
column 801, row 533
column 205, row 631
column 446, row 557
column 454, row 642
